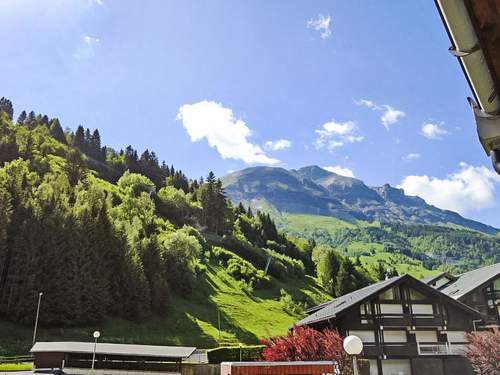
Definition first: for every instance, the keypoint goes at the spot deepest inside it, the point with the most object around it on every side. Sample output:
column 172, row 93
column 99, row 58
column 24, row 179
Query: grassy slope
column 369, row 253
column 244, row 318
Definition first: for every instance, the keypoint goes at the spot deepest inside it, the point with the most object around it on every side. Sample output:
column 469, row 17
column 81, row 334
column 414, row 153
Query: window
column 365, row 311
column 416, row 296
column 396, row 367
column 391, row 294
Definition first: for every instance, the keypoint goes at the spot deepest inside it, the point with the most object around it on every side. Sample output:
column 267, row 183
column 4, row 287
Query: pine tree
column 79, row 138
column 22, row 118
column 56, row 131
column 346, row 279
column 6, row 106
column 31, row 120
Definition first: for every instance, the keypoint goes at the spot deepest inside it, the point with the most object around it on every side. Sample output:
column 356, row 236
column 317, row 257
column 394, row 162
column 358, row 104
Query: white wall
column 395, row 336
column 426, row 336
column 422, row 309
column 456, row 336
column 365, row 336
column 387, row 308
column 373, row 367
column 396, row 367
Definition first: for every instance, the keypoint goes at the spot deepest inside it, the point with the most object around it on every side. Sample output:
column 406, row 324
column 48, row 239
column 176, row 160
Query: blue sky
column 364, row 87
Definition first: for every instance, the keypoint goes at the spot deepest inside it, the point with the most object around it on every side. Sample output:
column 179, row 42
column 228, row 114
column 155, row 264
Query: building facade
column 407, row 327
column 479, row 289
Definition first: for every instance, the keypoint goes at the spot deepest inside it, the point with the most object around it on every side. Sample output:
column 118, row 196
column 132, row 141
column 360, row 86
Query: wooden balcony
column 405, row 320
column 411, row 349
column 391, row 350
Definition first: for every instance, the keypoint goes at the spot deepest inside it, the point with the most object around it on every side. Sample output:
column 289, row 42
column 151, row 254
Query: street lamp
column 37, row 314
column 97, row 334
column 241, row 347
column 353, row 346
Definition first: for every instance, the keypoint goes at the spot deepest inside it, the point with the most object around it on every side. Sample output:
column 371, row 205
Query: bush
column 240, row 269
column 232, row 354
column 289, row 305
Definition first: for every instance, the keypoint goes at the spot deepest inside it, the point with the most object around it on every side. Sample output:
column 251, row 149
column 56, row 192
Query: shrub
column 289, row 305
column 232, row 354
column 483, row 352
column 307, row 344
column 241, row 270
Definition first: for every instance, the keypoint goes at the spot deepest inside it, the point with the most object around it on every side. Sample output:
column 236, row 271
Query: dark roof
column 114, row 349
column 432, row 279
column 340, row 304
column 344, row 302
column 471, row 280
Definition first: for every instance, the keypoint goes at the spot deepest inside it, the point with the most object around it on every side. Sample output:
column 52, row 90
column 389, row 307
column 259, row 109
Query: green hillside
column 121, row 242
column 244, row 317
column 415, row 249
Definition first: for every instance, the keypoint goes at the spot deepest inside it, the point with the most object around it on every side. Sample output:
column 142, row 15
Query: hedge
column 232, row 353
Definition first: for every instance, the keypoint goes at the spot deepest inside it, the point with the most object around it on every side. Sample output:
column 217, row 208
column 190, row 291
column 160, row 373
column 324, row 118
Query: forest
column 106, row 232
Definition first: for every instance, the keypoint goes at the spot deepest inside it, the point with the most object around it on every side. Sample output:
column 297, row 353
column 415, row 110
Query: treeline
column 436, row 246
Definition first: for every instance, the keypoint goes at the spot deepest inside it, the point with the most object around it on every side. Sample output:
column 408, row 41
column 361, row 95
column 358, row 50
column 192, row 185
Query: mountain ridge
column 314, row 190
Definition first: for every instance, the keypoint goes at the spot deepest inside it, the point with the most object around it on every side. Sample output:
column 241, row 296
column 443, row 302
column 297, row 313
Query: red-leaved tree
column 307, row 344
column 483, row 352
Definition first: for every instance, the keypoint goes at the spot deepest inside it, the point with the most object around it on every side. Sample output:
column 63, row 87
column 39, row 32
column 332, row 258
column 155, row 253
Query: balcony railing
column 440, row 348
column 411, row 349
column 405, row 320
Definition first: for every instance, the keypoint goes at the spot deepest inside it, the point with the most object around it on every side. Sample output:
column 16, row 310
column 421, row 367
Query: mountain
column 313, row 190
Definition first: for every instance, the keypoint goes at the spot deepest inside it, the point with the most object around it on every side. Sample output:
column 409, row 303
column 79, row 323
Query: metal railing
column 440, row 348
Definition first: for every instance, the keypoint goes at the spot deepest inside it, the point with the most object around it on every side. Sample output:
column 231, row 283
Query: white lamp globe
column 353, row 345
column 97, row 334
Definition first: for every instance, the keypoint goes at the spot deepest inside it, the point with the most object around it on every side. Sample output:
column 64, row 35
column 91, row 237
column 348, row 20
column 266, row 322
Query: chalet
column 479, row 289
column 407, row 327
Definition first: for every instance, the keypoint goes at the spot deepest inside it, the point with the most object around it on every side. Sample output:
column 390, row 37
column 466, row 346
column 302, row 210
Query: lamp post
column 97, row 334
column 37, row 314
column 241, row 347
column 353, row 346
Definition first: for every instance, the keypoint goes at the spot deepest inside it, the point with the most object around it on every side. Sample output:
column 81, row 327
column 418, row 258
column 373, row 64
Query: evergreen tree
column 22, row 118
column 56, row 131
column 30, row 120
column 6, row 106
column 79, row 138
column 346, row 279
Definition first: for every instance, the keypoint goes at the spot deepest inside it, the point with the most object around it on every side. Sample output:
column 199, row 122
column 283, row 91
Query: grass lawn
column 194, row 321
column 22, row 366
column 299, row 223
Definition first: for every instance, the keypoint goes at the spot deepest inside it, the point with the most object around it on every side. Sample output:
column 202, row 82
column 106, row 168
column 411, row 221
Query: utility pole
column 37, row 314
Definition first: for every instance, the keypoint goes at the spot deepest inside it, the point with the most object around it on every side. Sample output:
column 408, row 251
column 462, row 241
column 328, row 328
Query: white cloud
column 389, row 116
column 412, row 156
column 280, row 144
column 433, row 131
column 86, row 48
column 336, row 134
column 321, row 24
column 469, row 188
column 343, row 171
column 229, row 135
